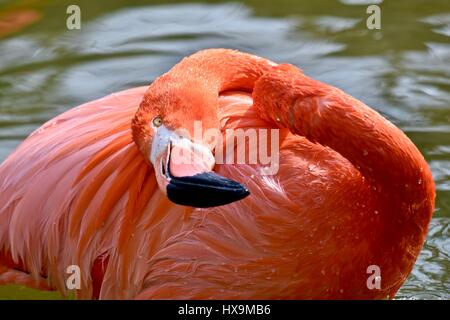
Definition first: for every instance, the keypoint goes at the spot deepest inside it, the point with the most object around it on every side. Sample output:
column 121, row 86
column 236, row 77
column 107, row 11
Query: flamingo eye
column 157, row 121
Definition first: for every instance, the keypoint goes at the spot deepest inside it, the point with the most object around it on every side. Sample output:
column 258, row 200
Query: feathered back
column 71, row 190
column 78, row 192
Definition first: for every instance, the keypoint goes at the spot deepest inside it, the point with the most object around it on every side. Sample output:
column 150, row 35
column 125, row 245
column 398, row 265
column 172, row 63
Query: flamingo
column 98, row 187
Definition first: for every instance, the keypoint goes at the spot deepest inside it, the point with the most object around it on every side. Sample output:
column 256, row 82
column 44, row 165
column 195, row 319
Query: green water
column 402, row 70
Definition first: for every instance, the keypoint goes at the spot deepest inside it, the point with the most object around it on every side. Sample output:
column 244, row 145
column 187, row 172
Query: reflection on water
column 430, row 278
column 402, row 70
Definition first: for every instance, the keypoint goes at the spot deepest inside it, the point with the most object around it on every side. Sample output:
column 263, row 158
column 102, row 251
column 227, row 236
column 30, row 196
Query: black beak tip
column 205, row 190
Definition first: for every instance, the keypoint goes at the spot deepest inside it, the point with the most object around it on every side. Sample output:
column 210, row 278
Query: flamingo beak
column 184, row 173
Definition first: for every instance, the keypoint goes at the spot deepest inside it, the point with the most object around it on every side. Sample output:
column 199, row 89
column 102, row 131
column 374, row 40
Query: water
column 403, row 70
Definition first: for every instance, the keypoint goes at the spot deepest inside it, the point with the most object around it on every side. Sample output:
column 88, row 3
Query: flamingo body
column 351, row 191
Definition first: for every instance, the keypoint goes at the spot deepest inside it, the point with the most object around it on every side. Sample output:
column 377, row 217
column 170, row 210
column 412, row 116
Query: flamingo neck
column 395, row 168
column 218, row 70
column 194, row 85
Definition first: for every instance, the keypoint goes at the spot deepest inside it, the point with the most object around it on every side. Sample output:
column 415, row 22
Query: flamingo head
column 164, row 129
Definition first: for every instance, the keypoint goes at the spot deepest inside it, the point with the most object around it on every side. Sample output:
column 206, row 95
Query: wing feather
column 65, row 189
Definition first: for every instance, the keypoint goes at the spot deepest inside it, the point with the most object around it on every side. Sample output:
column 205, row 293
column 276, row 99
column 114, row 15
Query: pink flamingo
column 99, row 187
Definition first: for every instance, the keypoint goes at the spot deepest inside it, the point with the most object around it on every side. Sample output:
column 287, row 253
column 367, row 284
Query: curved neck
column 378, row 149
column 195, row 84
column 219, row 70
